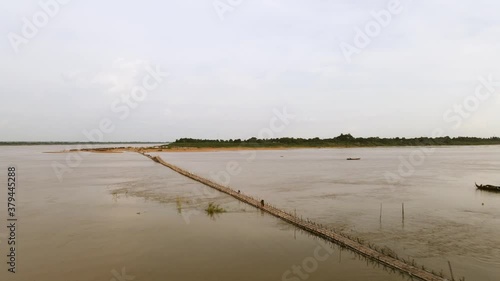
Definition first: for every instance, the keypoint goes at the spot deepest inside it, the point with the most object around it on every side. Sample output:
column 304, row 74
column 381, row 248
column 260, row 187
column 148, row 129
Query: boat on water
column 353, row 158
column 488, row 187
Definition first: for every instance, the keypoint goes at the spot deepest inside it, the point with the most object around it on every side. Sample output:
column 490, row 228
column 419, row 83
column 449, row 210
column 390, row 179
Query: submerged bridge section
column 311, row 227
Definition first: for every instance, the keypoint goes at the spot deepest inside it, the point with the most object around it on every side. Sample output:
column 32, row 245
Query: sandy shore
column 174, row 149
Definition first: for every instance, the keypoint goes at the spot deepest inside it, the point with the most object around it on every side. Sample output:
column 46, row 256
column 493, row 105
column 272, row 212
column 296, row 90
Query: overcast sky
column 233, row 64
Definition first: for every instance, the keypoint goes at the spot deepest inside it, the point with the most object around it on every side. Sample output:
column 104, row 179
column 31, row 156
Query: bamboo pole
column 380, row 213
column 451, row 271
column 403, row 211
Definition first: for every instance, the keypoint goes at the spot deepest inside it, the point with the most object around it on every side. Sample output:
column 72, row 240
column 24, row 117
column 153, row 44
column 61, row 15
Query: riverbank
column 173, row 149
column 228, row 148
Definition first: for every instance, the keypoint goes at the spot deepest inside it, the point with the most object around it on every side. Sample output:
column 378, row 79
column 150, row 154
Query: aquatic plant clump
column 214, row 209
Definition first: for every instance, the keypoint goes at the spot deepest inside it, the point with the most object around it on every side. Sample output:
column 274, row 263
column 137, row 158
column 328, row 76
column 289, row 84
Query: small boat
column 488, row 187
column 353, row 158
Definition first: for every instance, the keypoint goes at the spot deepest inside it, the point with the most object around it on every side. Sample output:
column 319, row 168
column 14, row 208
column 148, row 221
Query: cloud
column 4, row 124
column 115, row 79
column 266, row 54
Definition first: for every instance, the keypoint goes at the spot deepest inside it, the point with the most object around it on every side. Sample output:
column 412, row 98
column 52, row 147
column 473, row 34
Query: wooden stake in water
column 380, row 212
column 403, row 211
column 451, row 271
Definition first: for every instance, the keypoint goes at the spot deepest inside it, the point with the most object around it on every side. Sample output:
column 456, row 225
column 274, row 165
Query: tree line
column 344, row 140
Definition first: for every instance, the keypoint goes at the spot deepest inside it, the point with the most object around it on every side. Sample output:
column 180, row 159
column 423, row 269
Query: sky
column 73, row 70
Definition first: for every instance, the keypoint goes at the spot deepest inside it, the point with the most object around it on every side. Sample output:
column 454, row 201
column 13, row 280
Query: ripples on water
column 445, row 218
column 122, row 210
column 122, row 213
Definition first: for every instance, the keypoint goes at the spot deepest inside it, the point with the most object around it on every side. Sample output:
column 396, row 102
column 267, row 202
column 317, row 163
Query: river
column 121, row 216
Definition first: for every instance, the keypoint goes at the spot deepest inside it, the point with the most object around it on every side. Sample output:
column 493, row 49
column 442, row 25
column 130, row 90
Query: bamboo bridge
column 309, row 226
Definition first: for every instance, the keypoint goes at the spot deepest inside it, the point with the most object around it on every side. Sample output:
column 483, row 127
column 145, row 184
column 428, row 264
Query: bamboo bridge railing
column 314, row 228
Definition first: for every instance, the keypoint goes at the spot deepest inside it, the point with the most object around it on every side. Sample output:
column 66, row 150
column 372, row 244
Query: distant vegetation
column 344, row 140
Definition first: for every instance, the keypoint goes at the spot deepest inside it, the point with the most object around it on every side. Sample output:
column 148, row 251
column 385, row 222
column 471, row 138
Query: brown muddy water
column 121, row 217
column 446, row 219
column 124, row 217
